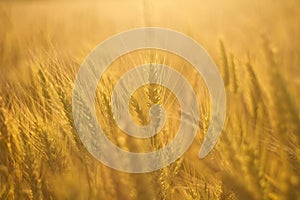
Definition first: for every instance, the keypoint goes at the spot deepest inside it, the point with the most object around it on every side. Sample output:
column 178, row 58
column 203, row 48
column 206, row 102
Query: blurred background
column 254, row 43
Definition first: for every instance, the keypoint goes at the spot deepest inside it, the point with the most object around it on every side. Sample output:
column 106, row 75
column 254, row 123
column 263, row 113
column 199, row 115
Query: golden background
column 254, row 43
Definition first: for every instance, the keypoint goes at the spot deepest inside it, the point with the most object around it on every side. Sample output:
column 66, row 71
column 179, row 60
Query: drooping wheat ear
column 9, row 153
column 153, row 91
column 233, row 72
column 165, row 184
column 67, row 111
column 87, row 113
column 33, row 171
column 225, row 63
column 11, row 147
column 4, row 152
column 54, row 154
column 67, row 107
column 285, row 103
column 3, row 134
column 257, row 102
column 45, row 93
column 154, row 97
column 287, row 121
column 171, row 174
column 138, row 110
column 255, row 92
column 154, row 94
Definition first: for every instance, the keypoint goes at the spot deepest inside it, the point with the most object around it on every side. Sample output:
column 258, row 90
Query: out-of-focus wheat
column 41, row 156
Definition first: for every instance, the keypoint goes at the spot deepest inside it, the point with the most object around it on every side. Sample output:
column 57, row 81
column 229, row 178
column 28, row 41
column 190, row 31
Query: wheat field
column 255, row 45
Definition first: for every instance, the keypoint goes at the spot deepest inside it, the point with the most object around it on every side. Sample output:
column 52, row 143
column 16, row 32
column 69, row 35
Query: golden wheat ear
column 3, row 148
